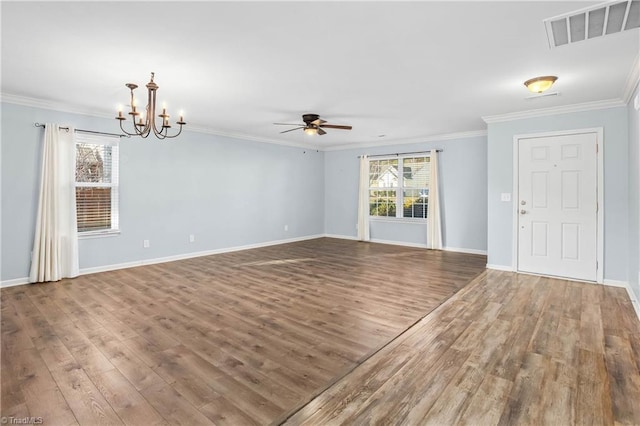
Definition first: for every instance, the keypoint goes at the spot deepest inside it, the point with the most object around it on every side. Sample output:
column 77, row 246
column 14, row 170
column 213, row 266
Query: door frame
column 599, row 190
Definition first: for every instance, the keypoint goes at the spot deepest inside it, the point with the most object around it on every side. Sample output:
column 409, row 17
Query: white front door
column 557, row 205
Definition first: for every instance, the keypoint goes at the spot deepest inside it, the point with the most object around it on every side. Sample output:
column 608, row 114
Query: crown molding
column 209, row 131
column 52, row 105
column 632, row 80
column 75, row 109
column 586, row 106
column 432, row 138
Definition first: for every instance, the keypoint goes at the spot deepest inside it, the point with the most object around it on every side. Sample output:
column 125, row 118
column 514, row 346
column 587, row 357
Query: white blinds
column 97, row 183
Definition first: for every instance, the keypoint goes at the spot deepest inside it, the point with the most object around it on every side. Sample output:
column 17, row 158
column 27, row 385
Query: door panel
column 557, row 210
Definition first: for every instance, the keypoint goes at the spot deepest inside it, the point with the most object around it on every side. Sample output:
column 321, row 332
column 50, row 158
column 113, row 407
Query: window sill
column 415, row 221
column 97, row 234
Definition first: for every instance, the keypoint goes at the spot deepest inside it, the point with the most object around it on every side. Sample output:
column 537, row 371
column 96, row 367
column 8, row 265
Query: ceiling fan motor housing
column 308, row 118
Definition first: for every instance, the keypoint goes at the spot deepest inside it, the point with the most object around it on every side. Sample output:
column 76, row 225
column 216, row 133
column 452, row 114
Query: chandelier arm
column 179, row 131
column 125, row 131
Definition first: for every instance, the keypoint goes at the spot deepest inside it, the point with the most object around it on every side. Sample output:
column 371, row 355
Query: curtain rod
column 401, row 153
column 87, row 131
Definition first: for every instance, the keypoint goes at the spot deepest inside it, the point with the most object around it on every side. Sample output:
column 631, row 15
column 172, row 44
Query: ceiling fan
column 313, row 125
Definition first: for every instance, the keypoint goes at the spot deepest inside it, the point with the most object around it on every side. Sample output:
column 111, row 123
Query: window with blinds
column 399, row 187
column 97, row 183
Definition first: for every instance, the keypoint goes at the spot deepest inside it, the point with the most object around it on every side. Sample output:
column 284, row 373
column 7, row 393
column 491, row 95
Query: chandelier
column 144, row 123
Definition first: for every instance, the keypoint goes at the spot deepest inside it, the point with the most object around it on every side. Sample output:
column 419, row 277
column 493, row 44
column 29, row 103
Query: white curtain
column 363, row 200
column 55, row 246
column 434, row 236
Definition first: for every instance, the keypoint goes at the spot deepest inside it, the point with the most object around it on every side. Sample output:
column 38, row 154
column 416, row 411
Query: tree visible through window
column 399, row 194
column 96, row 183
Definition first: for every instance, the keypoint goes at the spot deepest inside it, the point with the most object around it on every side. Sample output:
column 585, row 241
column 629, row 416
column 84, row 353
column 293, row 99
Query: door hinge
column 597, row 148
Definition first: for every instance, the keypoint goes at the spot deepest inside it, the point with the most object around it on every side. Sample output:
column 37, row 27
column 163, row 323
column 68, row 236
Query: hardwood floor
column 508, row 349
column 238, row 338
column 320, row 332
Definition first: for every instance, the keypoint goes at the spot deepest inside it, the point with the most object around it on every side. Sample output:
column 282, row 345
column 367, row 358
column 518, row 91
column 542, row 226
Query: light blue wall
column 463, row 171
column 227, row 192
column 634, row 197
column 616, row 184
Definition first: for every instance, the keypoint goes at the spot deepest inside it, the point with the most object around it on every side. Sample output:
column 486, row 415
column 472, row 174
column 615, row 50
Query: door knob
column 523, row 211
column 523, row 202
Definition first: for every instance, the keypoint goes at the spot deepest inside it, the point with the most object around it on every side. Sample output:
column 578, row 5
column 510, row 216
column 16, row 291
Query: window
column 399, row 194
column 97, row 184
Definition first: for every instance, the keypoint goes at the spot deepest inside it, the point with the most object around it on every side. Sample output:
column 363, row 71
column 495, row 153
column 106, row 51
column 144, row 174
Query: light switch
column 505, row 196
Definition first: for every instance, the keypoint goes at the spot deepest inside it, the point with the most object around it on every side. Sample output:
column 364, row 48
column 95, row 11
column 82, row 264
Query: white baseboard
column 399, row 243
column 615, row 283
column 634, row 301
column 113, row 267
column 14, row 282
column 403, row 243
column 500, row 267
column 466, row 250
column 341, row 237
column 624, row 284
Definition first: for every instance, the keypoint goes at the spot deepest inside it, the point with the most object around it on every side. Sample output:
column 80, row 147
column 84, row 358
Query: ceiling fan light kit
column 540, row 84
column 313, row 125
column 146, row 123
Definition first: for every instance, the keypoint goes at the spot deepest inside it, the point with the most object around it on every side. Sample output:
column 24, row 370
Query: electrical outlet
column 505, row 196
column 192, row 238
column 145, row 243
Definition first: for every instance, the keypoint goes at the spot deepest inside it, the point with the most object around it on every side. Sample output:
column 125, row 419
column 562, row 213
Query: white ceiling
column 406, row 70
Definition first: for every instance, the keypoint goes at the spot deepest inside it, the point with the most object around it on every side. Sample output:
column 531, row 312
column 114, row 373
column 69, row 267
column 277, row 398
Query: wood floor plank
column 625, row 388
column 41, row 391
column 487, row 403
column 132, row 408
column 173, row 407
column 87, row 403
column 593, row 400
column 223, row 412
column 177, row 368
column 125, row 360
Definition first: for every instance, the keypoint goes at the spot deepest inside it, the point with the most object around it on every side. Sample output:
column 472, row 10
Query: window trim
column 398, row 189
column 114, row 142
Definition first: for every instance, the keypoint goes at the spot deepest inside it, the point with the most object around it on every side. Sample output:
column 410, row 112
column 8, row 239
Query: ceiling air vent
column 596, row 21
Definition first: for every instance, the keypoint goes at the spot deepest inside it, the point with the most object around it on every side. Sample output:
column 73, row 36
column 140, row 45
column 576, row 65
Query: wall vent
column 596, row 21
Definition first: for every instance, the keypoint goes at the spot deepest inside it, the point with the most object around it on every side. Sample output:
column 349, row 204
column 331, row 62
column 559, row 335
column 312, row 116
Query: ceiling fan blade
column 291, row 130
column 288, row 124
column 321, row 132
column 335, row 126
column 318, row 122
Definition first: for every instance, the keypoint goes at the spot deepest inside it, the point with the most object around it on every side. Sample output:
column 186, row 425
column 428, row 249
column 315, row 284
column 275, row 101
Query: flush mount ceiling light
column 146, row 122
column 540, row 84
